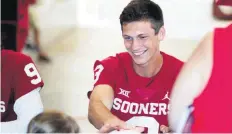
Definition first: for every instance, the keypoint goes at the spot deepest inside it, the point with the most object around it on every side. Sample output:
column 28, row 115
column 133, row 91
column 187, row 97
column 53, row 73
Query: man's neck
column 151, row 68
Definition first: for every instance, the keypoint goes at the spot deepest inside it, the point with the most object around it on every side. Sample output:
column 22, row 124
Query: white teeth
column 139, row 53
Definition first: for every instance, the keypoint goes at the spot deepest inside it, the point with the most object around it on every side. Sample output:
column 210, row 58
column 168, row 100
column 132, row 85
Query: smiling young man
column 133, row 87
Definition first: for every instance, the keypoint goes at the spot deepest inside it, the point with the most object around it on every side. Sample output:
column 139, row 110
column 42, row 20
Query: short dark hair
column 147, row 10
column 52, row 122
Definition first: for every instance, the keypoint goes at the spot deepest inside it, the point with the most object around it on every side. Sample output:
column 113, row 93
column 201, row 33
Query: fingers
column 164, row 129
column 111, row 127
column 106, row 128
column 125, row 126
column 119, row 126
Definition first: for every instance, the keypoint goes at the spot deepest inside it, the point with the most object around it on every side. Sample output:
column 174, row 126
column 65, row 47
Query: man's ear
column 162, row 33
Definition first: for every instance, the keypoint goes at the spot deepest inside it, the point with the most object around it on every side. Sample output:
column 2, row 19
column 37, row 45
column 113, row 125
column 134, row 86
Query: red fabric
column 32, row 1
column 18, row 77
column 132, row 91
column 213, row 109
column 224, row 2
column 23, row 22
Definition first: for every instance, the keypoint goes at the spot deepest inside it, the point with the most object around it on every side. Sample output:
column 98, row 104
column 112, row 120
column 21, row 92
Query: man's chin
column 141, row 62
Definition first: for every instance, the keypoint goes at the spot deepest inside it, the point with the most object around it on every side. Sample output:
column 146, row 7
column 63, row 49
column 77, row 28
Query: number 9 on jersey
column 31, row 71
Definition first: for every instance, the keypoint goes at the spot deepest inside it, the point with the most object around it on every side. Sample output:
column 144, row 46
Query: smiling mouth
column 138, row 53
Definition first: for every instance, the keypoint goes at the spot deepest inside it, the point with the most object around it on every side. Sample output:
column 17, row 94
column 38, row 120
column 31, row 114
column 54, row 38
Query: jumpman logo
column 166, row 96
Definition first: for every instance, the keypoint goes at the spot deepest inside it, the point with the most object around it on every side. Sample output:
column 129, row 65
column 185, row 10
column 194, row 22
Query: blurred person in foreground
column 53, row 122
column 202, row 96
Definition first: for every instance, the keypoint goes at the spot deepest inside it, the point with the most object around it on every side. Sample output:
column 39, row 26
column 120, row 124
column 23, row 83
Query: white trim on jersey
column 26, row 107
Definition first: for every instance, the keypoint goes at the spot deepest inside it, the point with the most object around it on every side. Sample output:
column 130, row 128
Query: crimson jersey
column 19, row 76
column 213, row 108
column 140, row 101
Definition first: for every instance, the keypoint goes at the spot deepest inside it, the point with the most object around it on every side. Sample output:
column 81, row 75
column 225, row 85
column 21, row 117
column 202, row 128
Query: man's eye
column 143, row 37
column 127, row 38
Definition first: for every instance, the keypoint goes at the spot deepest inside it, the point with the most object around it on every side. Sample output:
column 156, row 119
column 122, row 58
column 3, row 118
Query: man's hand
column 165, row 129
column 117, row 124
column 113, row 124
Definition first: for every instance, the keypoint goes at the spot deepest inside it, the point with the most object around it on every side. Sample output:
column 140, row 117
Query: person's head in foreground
column 52, row 122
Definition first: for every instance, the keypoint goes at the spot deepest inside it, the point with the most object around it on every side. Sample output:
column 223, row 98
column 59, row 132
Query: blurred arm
column 191, row 82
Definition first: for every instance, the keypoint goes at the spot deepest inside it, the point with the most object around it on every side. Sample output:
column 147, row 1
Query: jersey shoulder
column 14, row 57
column 171, row 67
column 172, row 61
column 14, row 61
column 114, row 62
